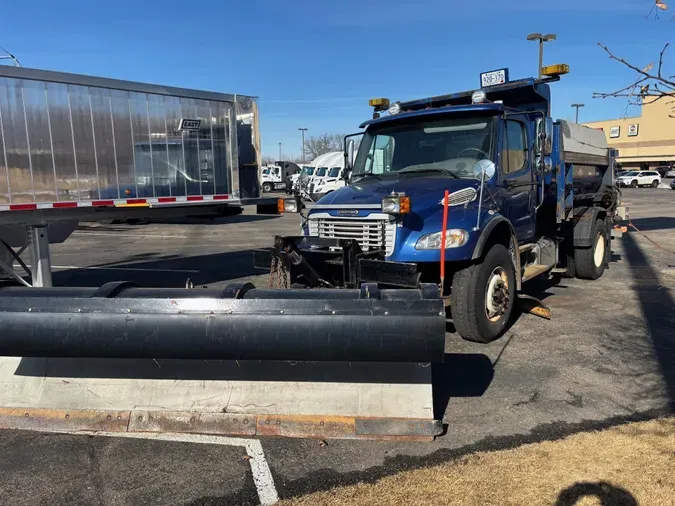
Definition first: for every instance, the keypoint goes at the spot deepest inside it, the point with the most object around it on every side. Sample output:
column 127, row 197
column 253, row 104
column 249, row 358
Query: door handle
column 510, row 183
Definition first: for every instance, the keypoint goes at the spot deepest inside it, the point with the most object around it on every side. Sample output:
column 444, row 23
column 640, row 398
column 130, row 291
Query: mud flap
column 534, row 306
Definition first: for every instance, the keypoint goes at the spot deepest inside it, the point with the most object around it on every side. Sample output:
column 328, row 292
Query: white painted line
column 136, row 269
column 262, row 475
column 137, row 236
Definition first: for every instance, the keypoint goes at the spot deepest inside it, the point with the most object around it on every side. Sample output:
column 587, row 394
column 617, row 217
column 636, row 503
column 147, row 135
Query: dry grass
column 623, row 466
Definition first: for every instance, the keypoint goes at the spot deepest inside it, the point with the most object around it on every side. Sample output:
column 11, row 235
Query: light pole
column 541, row 38
column 280, row 151
column 576, row 106
column 302, row 131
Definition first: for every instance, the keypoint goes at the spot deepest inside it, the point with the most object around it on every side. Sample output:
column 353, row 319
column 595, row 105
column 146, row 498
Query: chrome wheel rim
column 497, row 294
column 599, row 253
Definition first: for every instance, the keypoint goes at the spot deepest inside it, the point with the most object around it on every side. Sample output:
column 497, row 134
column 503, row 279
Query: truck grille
column 371, row 233
column 311, row 188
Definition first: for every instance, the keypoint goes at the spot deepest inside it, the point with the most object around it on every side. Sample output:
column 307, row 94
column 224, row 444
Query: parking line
column 262, row 475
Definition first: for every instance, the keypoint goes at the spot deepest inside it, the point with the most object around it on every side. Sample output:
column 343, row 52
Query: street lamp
column 280, row 151
column 576, row 120
column 541, row 38
column 303, row 130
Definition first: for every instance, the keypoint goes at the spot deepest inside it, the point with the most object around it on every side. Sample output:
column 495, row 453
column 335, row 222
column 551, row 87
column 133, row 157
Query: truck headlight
column 396, row 205
column 454, row 238
column 287, row 206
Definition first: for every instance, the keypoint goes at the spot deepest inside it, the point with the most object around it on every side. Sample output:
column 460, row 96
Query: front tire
column 483, row 296
column 267, row 187
column 590, row 262
column 634, row 183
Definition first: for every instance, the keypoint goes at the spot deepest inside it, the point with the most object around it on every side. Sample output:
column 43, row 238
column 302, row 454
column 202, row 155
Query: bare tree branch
column 648, row 83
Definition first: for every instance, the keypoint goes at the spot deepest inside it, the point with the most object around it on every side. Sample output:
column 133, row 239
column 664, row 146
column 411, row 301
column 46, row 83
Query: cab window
column 514, row 148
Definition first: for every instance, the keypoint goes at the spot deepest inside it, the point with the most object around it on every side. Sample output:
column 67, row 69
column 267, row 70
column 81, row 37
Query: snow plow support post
column 123, row 358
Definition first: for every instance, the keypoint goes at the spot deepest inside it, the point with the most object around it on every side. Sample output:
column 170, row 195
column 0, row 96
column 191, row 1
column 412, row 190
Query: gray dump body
column 587, row 149
column 73, row 141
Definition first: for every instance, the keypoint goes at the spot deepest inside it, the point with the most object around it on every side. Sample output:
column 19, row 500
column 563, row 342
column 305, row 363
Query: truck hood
column 428, row 189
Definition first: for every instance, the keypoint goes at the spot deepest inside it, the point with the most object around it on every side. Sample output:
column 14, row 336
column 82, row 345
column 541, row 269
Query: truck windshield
column 266, row 171
column 450, row 146
column 334, row 172
column 308, row 170
column 321, row 171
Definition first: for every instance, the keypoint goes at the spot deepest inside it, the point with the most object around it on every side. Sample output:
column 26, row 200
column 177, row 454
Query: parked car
column 663, row 170
column 635, row 178
column 670, row 173
column 672, row 184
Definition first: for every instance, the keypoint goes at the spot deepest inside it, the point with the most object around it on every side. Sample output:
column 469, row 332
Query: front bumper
column 314, row 261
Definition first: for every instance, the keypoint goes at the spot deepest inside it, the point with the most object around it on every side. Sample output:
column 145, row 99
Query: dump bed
column 71, row 141
column 588, row 152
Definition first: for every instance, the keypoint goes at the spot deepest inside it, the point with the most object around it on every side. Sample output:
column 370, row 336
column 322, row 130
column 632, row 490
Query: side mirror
column 544, row 140
column 349, row 155
column 484, row 170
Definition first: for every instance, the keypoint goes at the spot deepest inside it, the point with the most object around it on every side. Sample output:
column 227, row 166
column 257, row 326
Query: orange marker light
column 281, row 206
column 404, row 203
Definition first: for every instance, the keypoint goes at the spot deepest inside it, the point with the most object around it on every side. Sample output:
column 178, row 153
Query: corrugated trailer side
column 82, row 148
column 70, row 141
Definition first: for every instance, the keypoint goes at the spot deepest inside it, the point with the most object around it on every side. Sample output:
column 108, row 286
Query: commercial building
column 646, row 141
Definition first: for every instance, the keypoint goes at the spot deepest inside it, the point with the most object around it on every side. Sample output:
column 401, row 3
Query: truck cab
column 477, row 192
column 334, row 180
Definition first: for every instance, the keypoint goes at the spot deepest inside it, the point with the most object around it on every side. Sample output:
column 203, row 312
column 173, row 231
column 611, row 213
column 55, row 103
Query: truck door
column 517, row 178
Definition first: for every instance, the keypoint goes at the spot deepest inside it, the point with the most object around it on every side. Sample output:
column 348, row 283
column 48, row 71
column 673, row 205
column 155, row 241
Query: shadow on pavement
column 128, row 225
column 460, row 375
column 163, row 271
column 605, row 493
column 658, row 308
column 654, row 223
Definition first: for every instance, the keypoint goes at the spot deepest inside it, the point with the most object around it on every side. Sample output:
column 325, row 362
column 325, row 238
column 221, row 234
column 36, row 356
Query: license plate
column 493, row 78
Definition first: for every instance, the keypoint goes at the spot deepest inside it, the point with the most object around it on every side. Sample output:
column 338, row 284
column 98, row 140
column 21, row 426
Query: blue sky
column 314, row 64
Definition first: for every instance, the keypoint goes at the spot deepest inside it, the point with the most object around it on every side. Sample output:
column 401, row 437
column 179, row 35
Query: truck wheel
column 633, row 183
column 483, row 295
column 590, row 262
column 267, row 187
column 655, row 183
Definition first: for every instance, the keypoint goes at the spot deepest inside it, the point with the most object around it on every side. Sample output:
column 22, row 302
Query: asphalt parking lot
column 607, row 356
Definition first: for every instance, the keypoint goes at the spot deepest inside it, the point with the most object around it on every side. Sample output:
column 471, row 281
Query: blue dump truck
column 475, row 192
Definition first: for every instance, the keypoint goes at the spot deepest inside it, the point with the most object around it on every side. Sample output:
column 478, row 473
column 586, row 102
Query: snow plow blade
column 238, row 361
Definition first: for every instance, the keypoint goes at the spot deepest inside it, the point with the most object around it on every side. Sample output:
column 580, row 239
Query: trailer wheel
column 590, row 262
column 483, row 296
column 267, row 187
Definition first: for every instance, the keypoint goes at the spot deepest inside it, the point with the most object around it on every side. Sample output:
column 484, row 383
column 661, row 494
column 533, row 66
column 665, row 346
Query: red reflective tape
column 192, row 199
column 166, row 199
column 59, row 205
column 221, row 197
column 103, row 203
column 22, row 207
column 136, row 201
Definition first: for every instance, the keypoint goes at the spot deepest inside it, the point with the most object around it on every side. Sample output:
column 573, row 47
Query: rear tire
column 476, row 316
column 589, row 262
column 634, row 184
column 655, row 183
